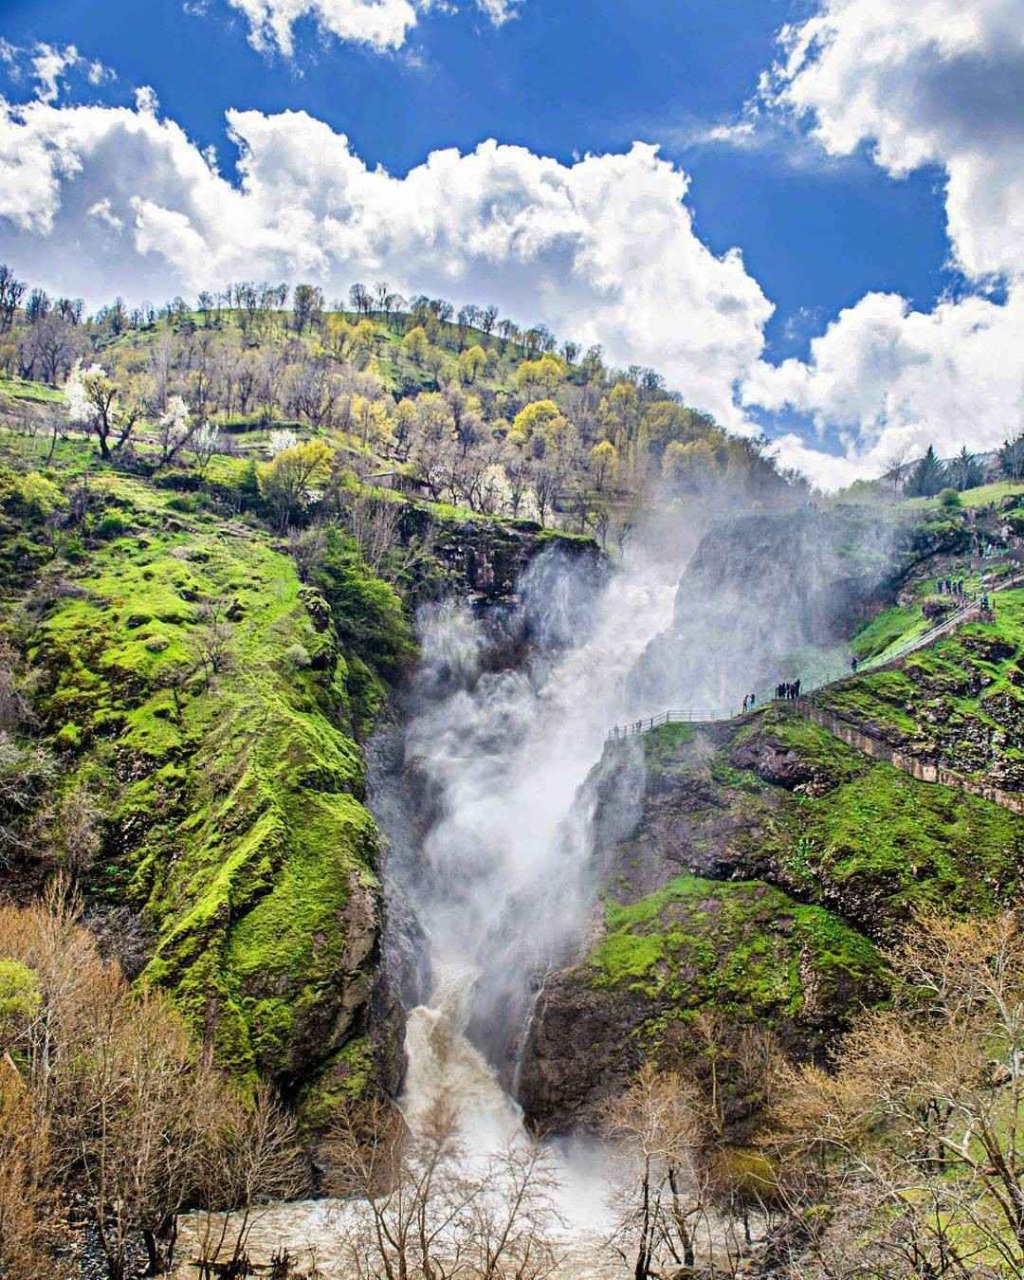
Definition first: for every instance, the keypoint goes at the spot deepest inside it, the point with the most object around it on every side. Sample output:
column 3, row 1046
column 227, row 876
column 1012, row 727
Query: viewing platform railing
column 965, row 612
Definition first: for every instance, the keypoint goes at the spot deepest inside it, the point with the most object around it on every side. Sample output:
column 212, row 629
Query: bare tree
column 897, row 466
column 914, row 1140
column 253, row 1158
column 430, row 1211
column 12, row 291
column 657, row 1125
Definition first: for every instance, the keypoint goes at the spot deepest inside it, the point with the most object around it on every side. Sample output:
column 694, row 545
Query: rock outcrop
column 760, row 865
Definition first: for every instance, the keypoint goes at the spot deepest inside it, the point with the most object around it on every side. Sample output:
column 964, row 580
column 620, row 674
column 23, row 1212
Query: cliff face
column 480, row 561
column 752, row 873
column 204, row 710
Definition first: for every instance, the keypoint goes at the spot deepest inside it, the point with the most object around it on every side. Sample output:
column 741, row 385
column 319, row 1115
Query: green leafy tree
column 472, row 363
column 928, row 477
column 291, row 481
column 965, row 471
column 415, row 344
column 604, row 462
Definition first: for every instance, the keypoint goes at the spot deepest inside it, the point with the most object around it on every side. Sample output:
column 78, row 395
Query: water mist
column 499, row 755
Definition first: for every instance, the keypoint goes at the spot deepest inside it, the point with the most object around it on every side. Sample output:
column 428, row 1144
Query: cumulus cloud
column 934, row 83
column 382, row 25
column 603, row 250
column 937, row 82
column 884, row 376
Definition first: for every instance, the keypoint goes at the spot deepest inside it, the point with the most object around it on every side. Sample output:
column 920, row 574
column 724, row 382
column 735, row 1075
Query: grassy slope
column 238, row 827
column 959, row 699
column 739, row 947
column 840, row 859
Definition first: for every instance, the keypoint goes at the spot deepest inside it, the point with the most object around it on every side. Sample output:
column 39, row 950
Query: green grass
column 237, row 794
column 984, row 496
column 23, row 389
column 888, row 845
column 961, row 687
column 889, row 630
column 740, row 947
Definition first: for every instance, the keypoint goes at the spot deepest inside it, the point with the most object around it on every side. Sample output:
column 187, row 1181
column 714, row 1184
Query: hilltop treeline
column 460, row 406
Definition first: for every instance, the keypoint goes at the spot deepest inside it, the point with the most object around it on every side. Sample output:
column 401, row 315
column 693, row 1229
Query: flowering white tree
column 281, row 440
column 99, row 405
column 203, row 444
column 175, row 429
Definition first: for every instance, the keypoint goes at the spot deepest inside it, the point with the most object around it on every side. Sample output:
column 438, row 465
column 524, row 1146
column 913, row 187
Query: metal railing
column 965, row 613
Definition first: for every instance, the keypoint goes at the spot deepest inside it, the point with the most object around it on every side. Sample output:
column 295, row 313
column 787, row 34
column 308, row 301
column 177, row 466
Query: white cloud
column 603, row 250
column 933, row 82
column 48, row 67
column 499, row 11
column 883, row 376
column 938, row 83
column 381, row 24
column 146, row 101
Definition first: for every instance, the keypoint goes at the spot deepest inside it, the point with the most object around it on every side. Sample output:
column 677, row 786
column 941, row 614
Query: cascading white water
column 503, row 890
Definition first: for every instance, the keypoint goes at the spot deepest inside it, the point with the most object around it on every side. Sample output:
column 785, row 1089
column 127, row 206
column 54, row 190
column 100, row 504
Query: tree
column 604, row 462
column 543, row 376
column 472, row 362
column 1011, row 458
column 175, row 429
column 38, row 306
column 965, row 471
column 70, row 310
column 928, row 476
column 361, row 299
column 253, row 1157
column 896, row 466
column 307, row 306
column 48, row 350
column 116, row 1083
column 103, row 406
column 12, row 291
column 415, row 344
column 313, row 391
column 429, row 1212
column 913, row 1141
column 293, row 479
column 657, row 1125
column 27, row 1203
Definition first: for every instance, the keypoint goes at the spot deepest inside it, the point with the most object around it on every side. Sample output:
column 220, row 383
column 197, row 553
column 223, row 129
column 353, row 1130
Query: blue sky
column 579, row 76
column 826, row 219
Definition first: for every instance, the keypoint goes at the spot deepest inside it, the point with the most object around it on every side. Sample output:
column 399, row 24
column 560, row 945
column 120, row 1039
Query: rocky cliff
column 201, row 710
column 752, row 869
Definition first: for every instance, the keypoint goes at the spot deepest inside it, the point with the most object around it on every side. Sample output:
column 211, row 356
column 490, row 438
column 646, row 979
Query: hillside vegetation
column 460, row 408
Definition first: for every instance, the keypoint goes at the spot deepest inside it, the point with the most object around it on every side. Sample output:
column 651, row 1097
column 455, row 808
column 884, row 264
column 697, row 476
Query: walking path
column 854, row 735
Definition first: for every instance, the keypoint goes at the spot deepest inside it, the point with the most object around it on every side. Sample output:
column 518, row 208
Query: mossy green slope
column 742, row 948
column 189, row 673
column 782, row 799
column 959, row 701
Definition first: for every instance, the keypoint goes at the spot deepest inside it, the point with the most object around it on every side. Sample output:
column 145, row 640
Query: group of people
column 786, row 692
column 950, row 586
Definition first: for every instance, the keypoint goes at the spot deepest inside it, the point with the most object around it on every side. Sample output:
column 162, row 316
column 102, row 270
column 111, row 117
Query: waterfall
column 501, row 881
